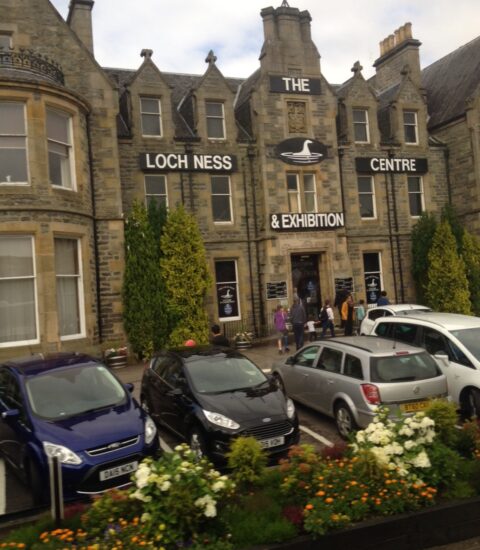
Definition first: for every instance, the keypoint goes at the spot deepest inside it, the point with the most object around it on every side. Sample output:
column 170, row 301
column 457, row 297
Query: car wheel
column 34, row 481
column 196, row 441
column 279, row 383
column 471, row 404
column 344, row 420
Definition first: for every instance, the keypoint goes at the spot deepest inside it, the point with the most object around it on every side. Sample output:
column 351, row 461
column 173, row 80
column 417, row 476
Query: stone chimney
column 80, row 21
column 397, row 51
column 288, row 44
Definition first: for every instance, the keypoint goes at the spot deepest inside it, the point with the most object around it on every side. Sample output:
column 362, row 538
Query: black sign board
column 295, row 85
column 182, row 162
column 277, row 290
column 227, row 298
column 314, row 221
column 372, row 288
column 378, row 165
column 301, row 151
column 344, row 284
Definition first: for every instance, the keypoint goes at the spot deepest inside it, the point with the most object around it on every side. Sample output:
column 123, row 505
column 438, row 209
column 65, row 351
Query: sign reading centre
column 376, row 165
column 175, row 162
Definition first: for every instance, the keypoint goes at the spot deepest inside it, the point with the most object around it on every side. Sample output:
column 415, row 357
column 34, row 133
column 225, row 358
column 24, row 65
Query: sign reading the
column 301, row 151
column 375, row 165
column 306, row 222
column 295, row 85
column 277, row 291
column 174, row 162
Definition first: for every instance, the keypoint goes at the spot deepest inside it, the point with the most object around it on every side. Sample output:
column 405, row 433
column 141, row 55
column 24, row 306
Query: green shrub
column 444, row 414
column 299, row 471
column 247, row 460
column 444, row 466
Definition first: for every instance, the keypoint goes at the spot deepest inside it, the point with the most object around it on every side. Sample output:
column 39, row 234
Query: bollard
column 56, row 489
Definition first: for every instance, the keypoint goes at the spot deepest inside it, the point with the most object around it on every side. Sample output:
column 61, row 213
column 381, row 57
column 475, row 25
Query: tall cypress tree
column 422, row 237
column 447, row 288
column 141, row 282
column 186, row 276
column 450, row 215
column 471, row 257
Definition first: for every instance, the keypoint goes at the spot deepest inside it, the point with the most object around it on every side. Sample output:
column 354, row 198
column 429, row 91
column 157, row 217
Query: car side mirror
column 442, row 357
column 10, row 413
column 129, row 386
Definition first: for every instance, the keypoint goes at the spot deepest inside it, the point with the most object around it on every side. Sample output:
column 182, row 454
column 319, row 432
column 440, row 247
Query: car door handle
column 330, row 381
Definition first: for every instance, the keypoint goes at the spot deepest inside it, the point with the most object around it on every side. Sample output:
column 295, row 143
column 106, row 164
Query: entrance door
column 306, row 283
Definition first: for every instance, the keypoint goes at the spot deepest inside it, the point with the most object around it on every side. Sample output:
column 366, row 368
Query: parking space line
column 316, row 436
column 3, row 488
column 165, row 446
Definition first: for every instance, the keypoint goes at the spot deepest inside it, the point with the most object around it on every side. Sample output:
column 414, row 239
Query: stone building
column 299, row 186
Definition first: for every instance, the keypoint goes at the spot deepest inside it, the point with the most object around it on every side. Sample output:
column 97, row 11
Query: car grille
column 113, row 446
column 266, row 431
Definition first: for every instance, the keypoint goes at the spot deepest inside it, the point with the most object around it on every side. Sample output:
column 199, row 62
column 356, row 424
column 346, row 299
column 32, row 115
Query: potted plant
column 243, row 340
column 115, row 355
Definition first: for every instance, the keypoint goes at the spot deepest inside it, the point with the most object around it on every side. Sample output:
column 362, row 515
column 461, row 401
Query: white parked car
column 387, row 311
column 455, row 342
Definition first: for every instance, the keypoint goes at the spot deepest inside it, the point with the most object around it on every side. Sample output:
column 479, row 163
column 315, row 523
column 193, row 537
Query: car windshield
column 73, row 391
column 403, row 368
column 219, row 374
column 470, row 338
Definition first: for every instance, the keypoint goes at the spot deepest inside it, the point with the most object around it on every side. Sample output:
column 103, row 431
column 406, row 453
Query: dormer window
column 361, row 130
column 215, row 120
column 410, row 127
column 151, row 114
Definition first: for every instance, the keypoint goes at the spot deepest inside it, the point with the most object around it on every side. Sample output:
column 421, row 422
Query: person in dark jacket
column 298, row 318
column 218, row 338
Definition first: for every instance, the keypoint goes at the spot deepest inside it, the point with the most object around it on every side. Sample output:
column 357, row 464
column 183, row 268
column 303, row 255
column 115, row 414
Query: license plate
column 273, row 442
column 118, row 471
column 414, row 407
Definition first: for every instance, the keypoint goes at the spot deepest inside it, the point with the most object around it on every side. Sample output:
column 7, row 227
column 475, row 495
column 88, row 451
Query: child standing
column 312, row 333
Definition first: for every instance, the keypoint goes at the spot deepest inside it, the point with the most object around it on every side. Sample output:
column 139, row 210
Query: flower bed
column 362, row 495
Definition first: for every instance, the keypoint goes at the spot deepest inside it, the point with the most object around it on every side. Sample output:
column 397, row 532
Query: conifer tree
column 186, row 276
column 422, row 236
column 447, row 288
column 141, row 282
column 471, row 257
column 449, row 214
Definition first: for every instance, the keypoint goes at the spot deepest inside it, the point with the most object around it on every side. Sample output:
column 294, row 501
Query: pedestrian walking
column 312, row 331
column 327, row 319
column 347, row 315
column 383, row 300
column 359, row 315
column 298, row 318
column 280, row 321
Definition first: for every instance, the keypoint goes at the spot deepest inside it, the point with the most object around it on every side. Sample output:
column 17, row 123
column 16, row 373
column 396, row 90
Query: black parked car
column 209, row 395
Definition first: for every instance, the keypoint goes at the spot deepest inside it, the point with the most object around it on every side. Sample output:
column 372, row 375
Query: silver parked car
column 347, row 378
column 379, row 312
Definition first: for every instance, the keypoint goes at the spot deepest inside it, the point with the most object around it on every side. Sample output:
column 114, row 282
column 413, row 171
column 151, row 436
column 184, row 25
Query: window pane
column 13, row 162
column 310, row 205
column 359, row 115
column 415, row 200
column 309, row 183
column 220, row 184
column 215, row 127
column 366, row 206
column 155, row 185
column 160, row 200
column 371, row 262
column 58, row 127
column 409, row 117
column 410, row 134
column 17, row 310
column 150, row 105
column 225, row 271
column 68, row 307
column 151, row 125
column 292, row 182
column 66, row 257
column 59, row 166
column 16, row 257
column 221, row 208
column 12, row 119
column 414, row 184
column 214, row 109
column 364, row 184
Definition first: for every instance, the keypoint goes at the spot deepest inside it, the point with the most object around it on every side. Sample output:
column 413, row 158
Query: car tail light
column 371, row 394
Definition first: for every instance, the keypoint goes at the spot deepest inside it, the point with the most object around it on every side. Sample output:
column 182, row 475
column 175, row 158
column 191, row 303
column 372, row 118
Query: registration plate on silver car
column 118, row 471
column 272, row 442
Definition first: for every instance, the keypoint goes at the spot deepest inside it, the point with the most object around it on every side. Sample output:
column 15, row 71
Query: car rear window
column 403, row 368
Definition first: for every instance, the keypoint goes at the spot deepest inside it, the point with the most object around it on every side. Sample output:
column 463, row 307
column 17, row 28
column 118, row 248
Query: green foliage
column 468, row 439
column 447, row 288
column 247, row 460
column 186, row 277
column 445, row 465
column 471, row 257
column 450, row 216
column 422, row 237
column 142, row 296
column 444, row 414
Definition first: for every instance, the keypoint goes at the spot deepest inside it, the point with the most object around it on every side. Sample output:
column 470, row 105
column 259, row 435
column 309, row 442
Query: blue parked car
column 71, row 406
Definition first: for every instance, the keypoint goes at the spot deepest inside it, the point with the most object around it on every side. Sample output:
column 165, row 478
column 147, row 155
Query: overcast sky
column 181, row 32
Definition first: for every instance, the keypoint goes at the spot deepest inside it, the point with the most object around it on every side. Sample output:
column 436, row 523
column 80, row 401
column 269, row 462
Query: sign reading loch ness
column 182, row 162
column 301, row 151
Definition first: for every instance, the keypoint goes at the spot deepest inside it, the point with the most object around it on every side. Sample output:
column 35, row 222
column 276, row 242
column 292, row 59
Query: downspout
column 397, row 237
column 95, row 233
column 251, row 157
column 188, row 151
column 390, row 237
column 249, row 248
column 342, row 190
column 446, row 156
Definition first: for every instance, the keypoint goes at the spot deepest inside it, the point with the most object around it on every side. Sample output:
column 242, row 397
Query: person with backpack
column 327, row 319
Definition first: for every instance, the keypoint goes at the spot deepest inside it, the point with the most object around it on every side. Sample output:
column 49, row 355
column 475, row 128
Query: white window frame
column 80, row 293
column 370, row 193
column 215, row 117
column 7, row 37
column 413, row 125
column 229, row 195
column 24, row 136
column 297, row 193
column 420, row 193
column 236, row 282
column 150, row 195
column 33, row 277
column 69, row 147
column 312, row 193
column 361, row 123
column 144, row 112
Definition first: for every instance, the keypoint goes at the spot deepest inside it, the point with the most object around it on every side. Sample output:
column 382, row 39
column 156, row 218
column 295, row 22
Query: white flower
column 145, row 517
column 142, row 475
column 409, row 444
column 210, row 510
column 140, row 496
column 165, row 486
column 218, row 486
column 421, row 460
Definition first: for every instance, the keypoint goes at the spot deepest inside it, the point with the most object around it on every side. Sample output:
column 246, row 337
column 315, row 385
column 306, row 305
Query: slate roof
column 450, row 81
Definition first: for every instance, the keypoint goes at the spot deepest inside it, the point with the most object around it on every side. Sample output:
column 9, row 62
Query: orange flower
column 328, row 500
column 320, row 493
column 309, row 507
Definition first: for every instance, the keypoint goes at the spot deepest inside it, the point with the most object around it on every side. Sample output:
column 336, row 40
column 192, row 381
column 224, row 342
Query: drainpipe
column 188, row 151
column 446, row 156
column 342, row 190
column 390, row 237
column 95, row 233
column 397, row 237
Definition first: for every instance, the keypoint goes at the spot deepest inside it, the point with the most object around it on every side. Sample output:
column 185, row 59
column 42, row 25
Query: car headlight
column 150, row 430
column 64, row 455
column 290, row 408
column 220, row 420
